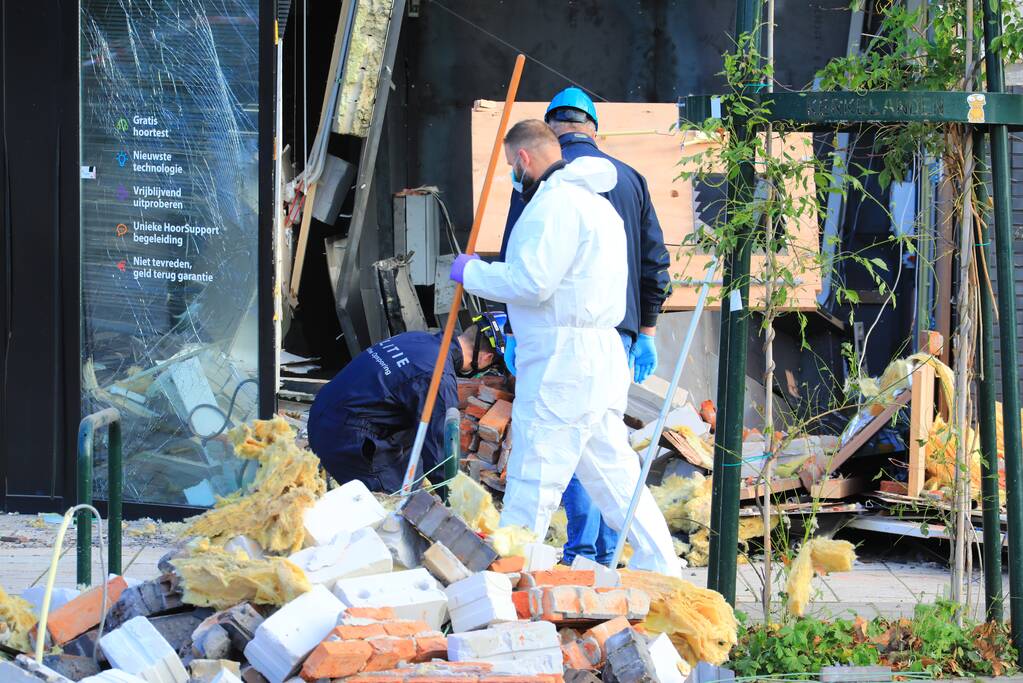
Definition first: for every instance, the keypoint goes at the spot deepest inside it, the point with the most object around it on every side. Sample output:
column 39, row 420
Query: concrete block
column 211, row 642
column 603, row 576
column 668, row 664
column 247, row 546
column 628, row 659
column 284, row 640
column 139, row 649
column 436, row 522
column 855, row 674
column 250, row 675
column 71, row 666
column 404, row 542
column 443, row 564
column 480, row 601
column 412, row 594
column 177, row 629
column 241, row 623
column 113, row 676
column 84, row 646
column 360, row 554
column 159, row 596
column 25, row 668
column 580, row 676
column 708, row 673
column 525, row 648
column 349, row 507
column 540, row 557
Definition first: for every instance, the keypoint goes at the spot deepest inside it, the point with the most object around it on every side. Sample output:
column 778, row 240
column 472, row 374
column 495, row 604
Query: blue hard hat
column 570, row 99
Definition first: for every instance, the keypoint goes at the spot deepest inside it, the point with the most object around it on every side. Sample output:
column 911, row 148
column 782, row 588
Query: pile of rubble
column 286, row 581
column 486, row 405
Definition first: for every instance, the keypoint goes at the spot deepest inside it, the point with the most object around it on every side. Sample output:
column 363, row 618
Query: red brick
column 377, row 613
column 378, row 677
column 405, row 628
column 494, row 423
column 494, row 394
column 508, row 565
column 601, row 632
column 577, row 654
column 431, row 647
column 475, row 410
column 513, row 678
column 894, row 487
column 390, row 652
column 74, row 618
column 345, row 632
column 489, row 452
column 560, row 577
column 572, row 605
column 521, row 601
column 336, row 658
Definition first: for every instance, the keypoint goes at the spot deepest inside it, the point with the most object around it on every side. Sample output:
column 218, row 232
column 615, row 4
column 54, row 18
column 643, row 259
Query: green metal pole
column 83, row 521
column 115, row 497
column 991, row 503
column 1006, row 323
column 731, row 390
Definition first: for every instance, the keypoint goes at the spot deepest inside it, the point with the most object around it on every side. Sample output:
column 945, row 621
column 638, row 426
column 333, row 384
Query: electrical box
column 417, row 220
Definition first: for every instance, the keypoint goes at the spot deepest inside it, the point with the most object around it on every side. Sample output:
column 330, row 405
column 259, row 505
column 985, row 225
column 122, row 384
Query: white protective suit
column 564, row 281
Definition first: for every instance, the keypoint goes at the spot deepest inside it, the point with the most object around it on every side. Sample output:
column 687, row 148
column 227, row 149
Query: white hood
column 593, row 173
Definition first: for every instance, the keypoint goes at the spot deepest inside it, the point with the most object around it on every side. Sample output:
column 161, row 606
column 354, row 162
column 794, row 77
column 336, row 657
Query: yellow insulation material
column 940, row 456
column 214, row 577
column 511, row 540
column 16, row 622
column 470, row 501
column 557, row 534
column 820, row 556
column 700, row 623
column 270, row 512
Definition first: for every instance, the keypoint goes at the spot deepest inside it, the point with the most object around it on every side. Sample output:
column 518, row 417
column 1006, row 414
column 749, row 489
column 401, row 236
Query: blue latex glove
column 509, row 354
column 458, row 266
column 643, row 357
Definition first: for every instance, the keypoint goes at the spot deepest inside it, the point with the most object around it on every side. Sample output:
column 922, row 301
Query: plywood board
column 641, row 135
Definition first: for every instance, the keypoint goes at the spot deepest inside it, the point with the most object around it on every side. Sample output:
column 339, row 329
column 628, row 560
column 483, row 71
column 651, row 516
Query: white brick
column 404, row 542
column 666, row 660
column 522, row 647
column 225, row 676
column 138, row 648
column 361, row 554
column 540, row 557
column 606, row 578
column 113, row 676
column 347, row 508
column 443, row 564
column 412, row 594
column 283, row 640
column 480, row 601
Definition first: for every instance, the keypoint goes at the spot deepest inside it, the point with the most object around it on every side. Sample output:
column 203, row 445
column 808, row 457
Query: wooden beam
column 921, row 414
column 839, row 488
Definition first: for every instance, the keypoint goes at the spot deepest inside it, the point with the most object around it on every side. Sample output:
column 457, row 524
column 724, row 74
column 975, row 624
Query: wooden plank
column 812, row 470
column 777, row 486
column 831, row 489
column 921, row 414
column 640, row 135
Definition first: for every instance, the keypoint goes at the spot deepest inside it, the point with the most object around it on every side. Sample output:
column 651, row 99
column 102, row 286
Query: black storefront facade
column 137, row 186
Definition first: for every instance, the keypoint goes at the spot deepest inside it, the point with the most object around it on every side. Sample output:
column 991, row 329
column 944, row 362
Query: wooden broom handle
column 449, row 325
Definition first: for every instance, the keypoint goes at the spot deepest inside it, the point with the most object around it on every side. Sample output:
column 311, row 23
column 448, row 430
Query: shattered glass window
column 169, row 109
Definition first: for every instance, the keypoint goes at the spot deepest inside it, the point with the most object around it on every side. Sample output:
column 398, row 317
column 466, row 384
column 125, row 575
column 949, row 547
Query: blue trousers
column 588, row 533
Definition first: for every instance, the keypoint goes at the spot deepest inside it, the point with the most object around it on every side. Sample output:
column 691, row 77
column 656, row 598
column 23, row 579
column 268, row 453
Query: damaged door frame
column 352, row 305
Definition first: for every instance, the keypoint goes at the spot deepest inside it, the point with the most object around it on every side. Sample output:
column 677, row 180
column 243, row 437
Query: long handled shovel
column 449, row 326
column 655, row 438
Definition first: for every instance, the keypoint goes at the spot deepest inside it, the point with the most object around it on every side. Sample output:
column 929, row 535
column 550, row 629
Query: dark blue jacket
column 648, row 259
column 363, row 421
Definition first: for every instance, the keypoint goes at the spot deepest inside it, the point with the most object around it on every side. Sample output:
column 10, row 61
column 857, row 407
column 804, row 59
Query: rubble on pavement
column 285, row 582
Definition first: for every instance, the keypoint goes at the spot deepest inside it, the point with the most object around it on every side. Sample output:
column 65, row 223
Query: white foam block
column 666, row 660
column 480, row 601
column 412, row 594
column 285, row 639
column 139, row 649
column 360, row 554
column 113, row 676
column 522, row 647
column 347, row 508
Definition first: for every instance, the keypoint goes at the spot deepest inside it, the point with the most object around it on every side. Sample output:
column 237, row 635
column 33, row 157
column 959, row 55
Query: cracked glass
column 169, row 185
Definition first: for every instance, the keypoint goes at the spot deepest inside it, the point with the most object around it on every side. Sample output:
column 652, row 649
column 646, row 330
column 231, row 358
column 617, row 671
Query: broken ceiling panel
column 362, row 68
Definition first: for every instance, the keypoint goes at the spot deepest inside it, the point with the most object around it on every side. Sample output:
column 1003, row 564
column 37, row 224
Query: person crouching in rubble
column 564, row 283
column 363, row 422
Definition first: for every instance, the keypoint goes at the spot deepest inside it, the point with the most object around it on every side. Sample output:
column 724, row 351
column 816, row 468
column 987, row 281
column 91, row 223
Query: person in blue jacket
column 573, row 118
column 363, row 422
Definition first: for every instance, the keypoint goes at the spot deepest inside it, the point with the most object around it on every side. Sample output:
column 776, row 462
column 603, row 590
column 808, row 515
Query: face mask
column 516, row 180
